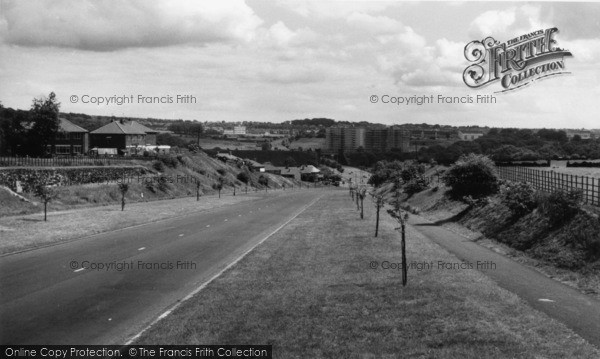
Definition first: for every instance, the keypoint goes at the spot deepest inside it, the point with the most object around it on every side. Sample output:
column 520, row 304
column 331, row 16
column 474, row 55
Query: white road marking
column 239, row 215
column 109, row 319
column 208, row 225
column 225, row 220
column 203, row 285
column 78, row 270
column 181, row 235
column 164, row 314
column 545, row 300
column 141, row 249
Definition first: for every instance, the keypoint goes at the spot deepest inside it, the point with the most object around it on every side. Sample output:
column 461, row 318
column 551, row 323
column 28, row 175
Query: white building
column 469, row 136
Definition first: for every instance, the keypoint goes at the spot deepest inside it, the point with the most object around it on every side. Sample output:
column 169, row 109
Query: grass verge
column 30, row 231
column 310, row 291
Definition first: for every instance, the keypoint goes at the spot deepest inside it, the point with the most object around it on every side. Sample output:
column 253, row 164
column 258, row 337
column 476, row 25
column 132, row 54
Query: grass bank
column 30, row 231
column 169, row 177
column 530, row 239
column 317, row 289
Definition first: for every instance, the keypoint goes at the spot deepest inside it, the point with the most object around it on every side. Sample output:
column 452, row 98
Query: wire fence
column 66, row 161
column 550, row 181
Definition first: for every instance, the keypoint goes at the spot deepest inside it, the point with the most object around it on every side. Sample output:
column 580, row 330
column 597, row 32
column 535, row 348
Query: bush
column 243, row 177
column 519, row 197
column 472, row 175
column 169, row 161
column 221, row 171
column 416, row 185
column 560, row 206
column 159, row 166
column 262, row 180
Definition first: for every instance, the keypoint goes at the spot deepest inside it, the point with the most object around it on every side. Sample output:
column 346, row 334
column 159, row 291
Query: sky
column 280, row 60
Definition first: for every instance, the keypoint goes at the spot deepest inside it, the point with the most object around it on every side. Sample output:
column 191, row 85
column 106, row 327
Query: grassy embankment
column 181, row 176
column 310, row 291
column 557, row 251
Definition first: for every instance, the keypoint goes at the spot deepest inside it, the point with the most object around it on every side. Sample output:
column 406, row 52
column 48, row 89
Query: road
column 577, row 311
column 47, row 298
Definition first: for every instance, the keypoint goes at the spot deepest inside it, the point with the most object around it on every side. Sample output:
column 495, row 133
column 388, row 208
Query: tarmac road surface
column 131, row 276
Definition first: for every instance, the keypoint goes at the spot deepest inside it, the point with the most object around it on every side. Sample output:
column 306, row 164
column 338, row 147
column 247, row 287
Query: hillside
column 164, row 178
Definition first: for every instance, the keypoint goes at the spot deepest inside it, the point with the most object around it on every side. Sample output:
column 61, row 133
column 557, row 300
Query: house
column 237, row 131
column 309, row 173
column 123, row 135
column 583, row 134
column 71, row 140
column 254, row 166
column 228, row 158
column 291, row 173
column 469, row 136
column 269, row 168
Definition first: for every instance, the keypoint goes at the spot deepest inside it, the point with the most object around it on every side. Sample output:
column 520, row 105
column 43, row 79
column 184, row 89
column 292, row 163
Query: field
column 232, row 144
column 307, row 143
column 312, row 291
column 561, row 167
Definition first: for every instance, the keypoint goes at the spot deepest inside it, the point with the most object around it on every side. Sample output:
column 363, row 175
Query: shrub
column 560, row 206
column 472, row 175
column 159, row 166
column 519, row 197
column 169, row 161
column 262, row 180
column 243, row 177
column 416, row 185
column 221, row 171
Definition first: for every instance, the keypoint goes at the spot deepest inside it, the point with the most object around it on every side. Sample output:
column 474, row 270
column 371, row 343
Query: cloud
column 374, row 24
column 506, row 24
column 576, row 21
column 101, row 25
column 335, row 8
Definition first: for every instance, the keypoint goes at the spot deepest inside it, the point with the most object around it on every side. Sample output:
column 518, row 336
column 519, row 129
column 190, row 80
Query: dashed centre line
column 141, row 249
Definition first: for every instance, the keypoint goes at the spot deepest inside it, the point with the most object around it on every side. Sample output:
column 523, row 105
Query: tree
column 290, row 162
column 46, row 194
column 219, row 185
column 44, row 115
column 362, row 193
column 472, row 175
column 123, row 188
column 379, row 201
column 243, row 177
column 264, row 181
column 265, row 146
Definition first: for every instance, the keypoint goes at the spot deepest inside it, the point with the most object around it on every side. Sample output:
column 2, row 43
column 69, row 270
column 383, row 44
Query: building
column 71, row 140
column 237, row 131
column 309, row 173
column 583, row 134
column 376, row 140
column 228, row 158
column 123, row 135
column 291, row 173
column 254, row 166
column 369, row 139
column 344, row 138
column 468, row 135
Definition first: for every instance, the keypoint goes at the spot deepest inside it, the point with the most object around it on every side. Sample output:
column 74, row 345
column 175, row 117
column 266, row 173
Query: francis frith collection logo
column 515, row 63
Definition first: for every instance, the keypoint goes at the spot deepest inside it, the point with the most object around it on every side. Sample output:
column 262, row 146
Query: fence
column 66, row 161
column 550, row 181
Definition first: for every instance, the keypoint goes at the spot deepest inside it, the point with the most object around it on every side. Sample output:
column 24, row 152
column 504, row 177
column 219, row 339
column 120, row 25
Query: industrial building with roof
column 123, row 135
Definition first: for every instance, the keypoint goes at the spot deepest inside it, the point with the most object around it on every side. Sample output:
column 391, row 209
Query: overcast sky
column 276, row 60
